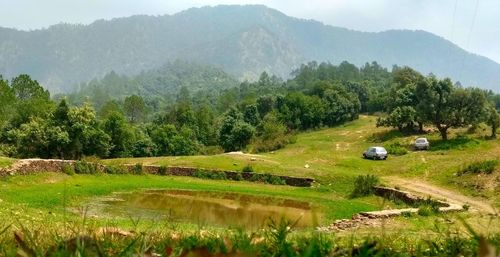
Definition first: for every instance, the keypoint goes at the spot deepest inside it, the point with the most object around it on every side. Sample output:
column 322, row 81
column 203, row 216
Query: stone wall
column 31, row 166
column 406, row 197
column 231, row 175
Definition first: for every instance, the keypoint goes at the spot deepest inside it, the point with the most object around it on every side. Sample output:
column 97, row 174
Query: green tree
column 235, row 133
column 251, row 114
column 7, row 102
column 86, row 136
column 493, row 120
column 32, row 100
column 121, row 135
column 172, row 142
column 445, row 106
column 134, row 108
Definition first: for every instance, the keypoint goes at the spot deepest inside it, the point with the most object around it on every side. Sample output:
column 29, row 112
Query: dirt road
column 427, row 189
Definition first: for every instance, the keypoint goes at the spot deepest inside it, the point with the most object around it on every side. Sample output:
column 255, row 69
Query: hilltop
column 241, row 40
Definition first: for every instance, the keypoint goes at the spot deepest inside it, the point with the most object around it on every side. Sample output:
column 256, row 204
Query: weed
column 163, row 170
column 68, row 169
column 427, row 210
column 116, row 169
column 239, row 177
column 138, row 169
column 247, row 168
column 397, row 149
column 487, row 167
column 82, row 167
column 363, row 185
column 460, row 142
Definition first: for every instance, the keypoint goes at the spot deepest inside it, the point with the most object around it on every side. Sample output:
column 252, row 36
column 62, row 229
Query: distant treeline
column 135, row 117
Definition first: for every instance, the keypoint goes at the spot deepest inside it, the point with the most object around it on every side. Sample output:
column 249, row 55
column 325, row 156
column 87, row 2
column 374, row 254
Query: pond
column 208, row 208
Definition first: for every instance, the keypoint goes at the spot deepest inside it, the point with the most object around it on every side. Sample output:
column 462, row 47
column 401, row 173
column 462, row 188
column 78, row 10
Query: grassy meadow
column 50, row 202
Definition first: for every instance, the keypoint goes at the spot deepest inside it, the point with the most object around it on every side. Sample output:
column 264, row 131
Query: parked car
column 422, row 144
column 376, row 152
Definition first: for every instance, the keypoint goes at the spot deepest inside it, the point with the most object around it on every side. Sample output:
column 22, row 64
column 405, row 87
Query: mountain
column 242, row 40
column 156, row 85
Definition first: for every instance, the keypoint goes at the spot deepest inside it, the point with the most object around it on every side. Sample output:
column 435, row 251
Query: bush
column 363, row 185
column 138, row 169
column 239, row 177
column 68, row 169
column 460, row 142
column 427, row 210
column 487, row 166
column 116, row 170
column 162, row 170
column 397, row 149
column 82, row 167
column 218, row 175
column 247, row 169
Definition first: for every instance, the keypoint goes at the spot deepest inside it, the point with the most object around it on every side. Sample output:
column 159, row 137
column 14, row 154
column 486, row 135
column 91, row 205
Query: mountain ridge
column 243, row 40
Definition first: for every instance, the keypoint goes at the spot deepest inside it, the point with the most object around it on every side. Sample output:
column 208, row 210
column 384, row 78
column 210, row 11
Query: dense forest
column 120, row 116
column 242, row 40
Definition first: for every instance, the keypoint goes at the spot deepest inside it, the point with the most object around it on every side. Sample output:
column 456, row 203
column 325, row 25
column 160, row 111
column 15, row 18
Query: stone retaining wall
column 31, row 166
column 373, row 218
column 406, row 197
column 231, row 175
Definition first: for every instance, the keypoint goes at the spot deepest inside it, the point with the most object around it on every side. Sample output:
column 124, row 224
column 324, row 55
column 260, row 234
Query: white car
column 376, row 152
column 422, row 144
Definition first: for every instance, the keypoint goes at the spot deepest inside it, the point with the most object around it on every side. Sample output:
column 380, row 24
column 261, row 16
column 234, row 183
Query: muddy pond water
column 208, row 208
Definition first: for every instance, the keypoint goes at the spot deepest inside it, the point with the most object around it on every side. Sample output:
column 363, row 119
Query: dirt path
column 426, row 189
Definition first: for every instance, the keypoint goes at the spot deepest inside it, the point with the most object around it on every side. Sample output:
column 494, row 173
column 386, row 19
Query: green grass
column 334, row 156
column 4, row 161
column 53, row 191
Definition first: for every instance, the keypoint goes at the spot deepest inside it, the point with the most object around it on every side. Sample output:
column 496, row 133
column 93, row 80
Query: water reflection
column 210, row 208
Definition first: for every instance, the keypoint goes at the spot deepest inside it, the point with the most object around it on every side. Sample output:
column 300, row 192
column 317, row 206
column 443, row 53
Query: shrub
column 460, row 142
column 275, row 180
column 116, row 170
column 82, row 167
column 487, row 166
column 363, row 185
column 396, row 149
column 427, row 210
column 138, row 169
column 239, row 177
column 219, row 175
column 68, row 169
column 162, row 170
column 406, row 214
column 248, row 168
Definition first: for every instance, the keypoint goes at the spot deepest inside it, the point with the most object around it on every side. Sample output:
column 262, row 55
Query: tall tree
column 493, row 120
column 121, row 135
column 445, row 106
column 135, row 108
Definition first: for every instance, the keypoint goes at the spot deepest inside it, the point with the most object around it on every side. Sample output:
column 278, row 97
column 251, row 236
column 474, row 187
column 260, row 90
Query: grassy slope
column 4, row 161
column 334, row 157
column 51, row 191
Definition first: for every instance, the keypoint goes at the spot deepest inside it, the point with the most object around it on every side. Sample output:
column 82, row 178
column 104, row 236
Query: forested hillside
column 242, row 40
column 123, row 116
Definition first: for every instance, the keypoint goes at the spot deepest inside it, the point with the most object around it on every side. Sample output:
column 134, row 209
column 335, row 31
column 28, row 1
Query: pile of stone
column 357, row 221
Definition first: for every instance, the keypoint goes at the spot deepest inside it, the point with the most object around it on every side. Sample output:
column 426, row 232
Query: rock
column 253, row 159
column 306, row 166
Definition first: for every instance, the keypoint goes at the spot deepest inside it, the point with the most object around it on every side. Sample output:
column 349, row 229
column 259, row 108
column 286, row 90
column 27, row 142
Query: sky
column 471, row 24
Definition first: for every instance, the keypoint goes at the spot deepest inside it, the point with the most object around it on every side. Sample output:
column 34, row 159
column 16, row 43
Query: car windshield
column 422, row 140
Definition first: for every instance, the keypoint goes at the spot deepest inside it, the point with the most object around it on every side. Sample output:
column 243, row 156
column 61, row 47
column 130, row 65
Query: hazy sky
column 471, row 24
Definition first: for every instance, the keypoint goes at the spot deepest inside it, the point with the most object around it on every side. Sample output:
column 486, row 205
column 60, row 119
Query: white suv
column 422, row 144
